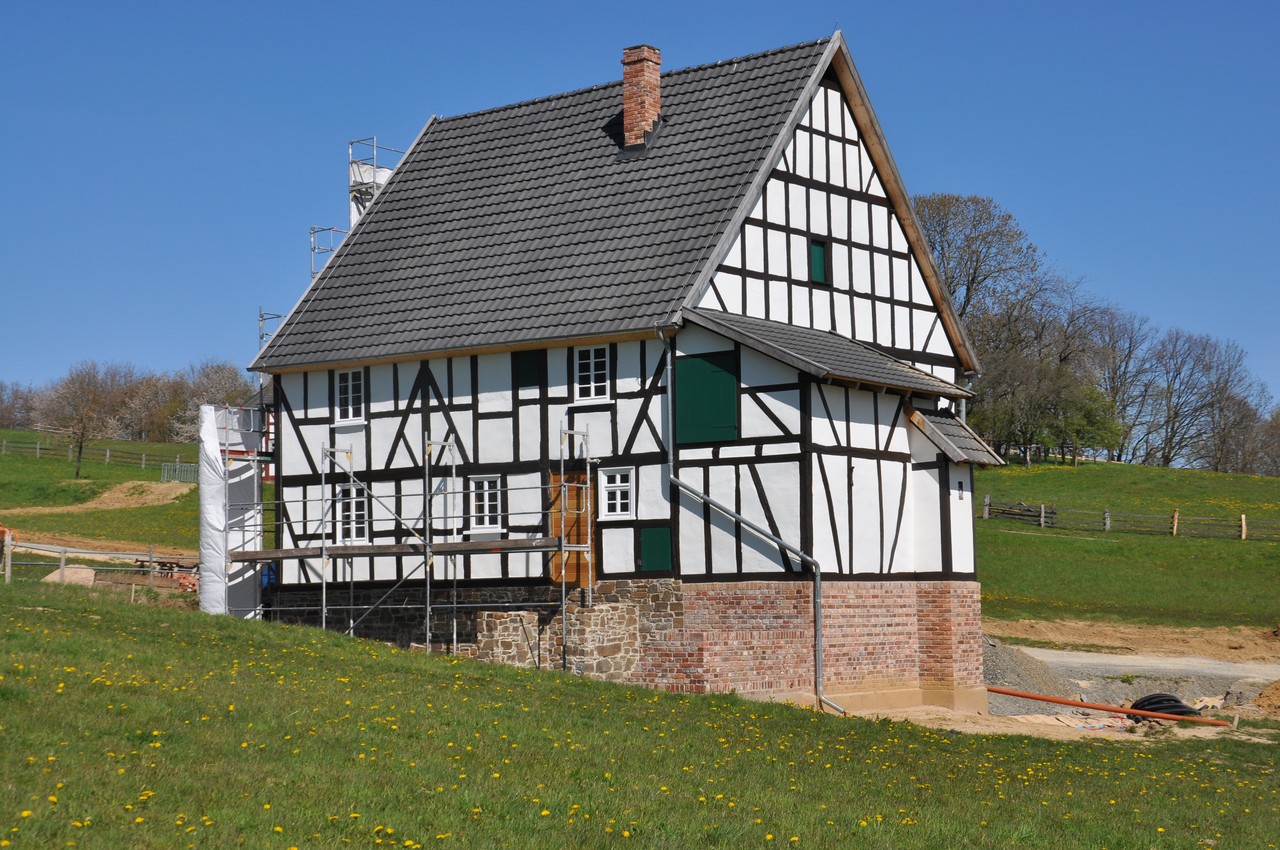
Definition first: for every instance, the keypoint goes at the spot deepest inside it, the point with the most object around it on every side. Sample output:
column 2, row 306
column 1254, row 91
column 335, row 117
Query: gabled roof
column 956, row 439
column 825, row 354
column 521, row 225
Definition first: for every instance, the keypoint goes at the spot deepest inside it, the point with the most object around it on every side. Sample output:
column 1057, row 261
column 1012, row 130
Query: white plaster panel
column 861, row 270
column 380, row 396
column 729, row 288
column 617, row 550
column 819, row 217
column 493, row 373
column 862, row 319
column 758, row 369
column 797, row 206
column 696, row 454
column 755, row 298
column 897, row 237
column 840, row 262
column 840, row 217
column 525, row 499
column 724, row 547
column 925, row 523
column 381, row 434
column 817, row 112
column 835, row 161
column 525, row 564
column 800, row 313
column 901, row 279
column 784, row 404
column 486, row 566
column 820, row 161
column 530, row 432
column 734, row 256
column 884, row 326
column 775, row 201
column 652, row 490
column 462, row 389
column 874, row 187
column 779, row 300
column 835, row 106
column 919, row 291
column 896, row 531
column 695, row 340
column 853, row 168
column 862, row 418
column 901, row 326
column 757, row 209
column 879, row 226
column 820, row 316
column 831, row 512
column 961, row 519
column 842, row 309
column 753, row 235
column 827, row 432
column 777, row 253
column 692, row 555
column 868, row 171
column 628, row 377
column 801, row 143
column 497, row 441
column 938, row 342
column 350, row 441
column 799, row 248
column 860, row 221
column 782, row 488
column 882, row 282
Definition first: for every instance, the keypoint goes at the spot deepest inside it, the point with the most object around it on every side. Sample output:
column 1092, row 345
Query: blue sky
column 165, row 161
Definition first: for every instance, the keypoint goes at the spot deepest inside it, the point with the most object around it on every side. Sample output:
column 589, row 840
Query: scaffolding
column 436, row 539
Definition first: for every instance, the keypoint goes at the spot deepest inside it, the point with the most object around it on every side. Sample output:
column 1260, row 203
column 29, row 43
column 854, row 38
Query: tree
column 84, row 404
column 980, row 250
column 1122, row 367
column 1179, row 397
column 212, row 382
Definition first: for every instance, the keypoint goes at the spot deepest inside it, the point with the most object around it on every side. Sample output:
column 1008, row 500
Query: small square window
column 592, row 378
column 819, row 261
column 351, row 519
column 351, row 394
column 617, row 494
column 486, row 503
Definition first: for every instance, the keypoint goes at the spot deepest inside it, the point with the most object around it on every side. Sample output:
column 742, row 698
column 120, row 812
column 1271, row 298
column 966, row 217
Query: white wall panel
column 777, row 260
column 493, row 373
column 724, row 549
column 652, row 490
column 617, row 550
column 962, row 510
column 779, row 300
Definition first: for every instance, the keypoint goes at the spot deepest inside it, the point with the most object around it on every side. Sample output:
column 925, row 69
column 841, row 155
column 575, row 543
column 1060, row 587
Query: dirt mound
column 1268, row 702
column 130, row 494
column 1225, row 644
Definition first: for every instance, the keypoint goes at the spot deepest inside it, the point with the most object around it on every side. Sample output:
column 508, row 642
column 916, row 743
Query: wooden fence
column 1174, row 524
column 101, row 454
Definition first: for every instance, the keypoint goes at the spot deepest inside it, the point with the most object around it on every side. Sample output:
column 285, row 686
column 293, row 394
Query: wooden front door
column 569, row 504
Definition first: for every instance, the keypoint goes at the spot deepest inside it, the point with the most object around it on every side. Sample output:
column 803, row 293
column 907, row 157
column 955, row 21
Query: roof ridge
column 612, row 83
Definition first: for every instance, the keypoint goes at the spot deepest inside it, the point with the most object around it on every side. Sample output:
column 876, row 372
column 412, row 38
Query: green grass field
column 1028, row 573
column 146, row 727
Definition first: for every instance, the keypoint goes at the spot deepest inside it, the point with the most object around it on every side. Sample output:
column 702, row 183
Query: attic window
column 351, row 395
column 592, row 378
column 819, row 261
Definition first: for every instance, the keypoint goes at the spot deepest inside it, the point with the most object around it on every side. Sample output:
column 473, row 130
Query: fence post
column 1106, row 519
column 108, row 456
column 6, row 547
column 151, row 566
column 37, row 448
column 1175, row 522
column 1042, row 515
column 144, row 460
column 68, row 452
column 986, row 506
column 62, row 567
column 1244, row 528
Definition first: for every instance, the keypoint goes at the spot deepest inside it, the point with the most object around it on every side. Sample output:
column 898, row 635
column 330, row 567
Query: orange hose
column 1113, row 708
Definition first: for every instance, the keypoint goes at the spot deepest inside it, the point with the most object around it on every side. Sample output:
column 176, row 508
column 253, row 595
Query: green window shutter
column 527, row 366
column 817, row 261
column 707, row 398
column 655, row 549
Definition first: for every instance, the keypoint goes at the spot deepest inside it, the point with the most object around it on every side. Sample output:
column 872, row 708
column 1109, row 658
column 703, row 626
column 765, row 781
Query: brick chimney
column 641, row 93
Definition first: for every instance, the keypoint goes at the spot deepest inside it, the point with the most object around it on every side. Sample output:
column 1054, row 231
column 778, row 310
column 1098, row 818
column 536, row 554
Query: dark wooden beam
column 463, row 547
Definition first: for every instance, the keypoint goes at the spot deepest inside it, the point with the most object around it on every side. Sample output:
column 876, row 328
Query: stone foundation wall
column 753, row 637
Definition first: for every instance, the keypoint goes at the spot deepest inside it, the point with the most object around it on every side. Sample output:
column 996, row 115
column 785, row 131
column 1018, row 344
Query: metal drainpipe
column 777, row 541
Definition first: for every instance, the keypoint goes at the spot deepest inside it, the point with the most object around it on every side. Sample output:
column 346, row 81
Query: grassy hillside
column 1029, row 573
column 48, row 481
column 152, row 728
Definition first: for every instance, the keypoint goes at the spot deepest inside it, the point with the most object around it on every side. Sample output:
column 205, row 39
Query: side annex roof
column 825, row 354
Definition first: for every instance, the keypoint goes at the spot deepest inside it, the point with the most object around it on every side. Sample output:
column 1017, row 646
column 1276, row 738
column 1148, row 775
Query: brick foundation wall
column 753, row 637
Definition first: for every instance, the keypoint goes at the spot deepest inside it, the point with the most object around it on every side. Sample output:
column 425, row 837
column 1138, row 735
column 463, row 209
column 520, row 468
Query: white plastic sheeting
column 230, row 509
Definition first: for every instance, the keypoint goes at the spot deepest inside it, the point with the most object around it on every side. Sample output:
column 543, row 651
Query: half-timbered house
column 655, row 380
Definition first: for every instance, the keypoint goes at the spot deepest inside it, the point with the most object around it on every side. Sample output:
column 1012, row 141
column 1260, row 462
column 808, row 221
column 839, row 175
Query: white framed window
column 592, row 372
column 351, row 517
column 486, row 502
column 617, row 493
column 351, row 394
